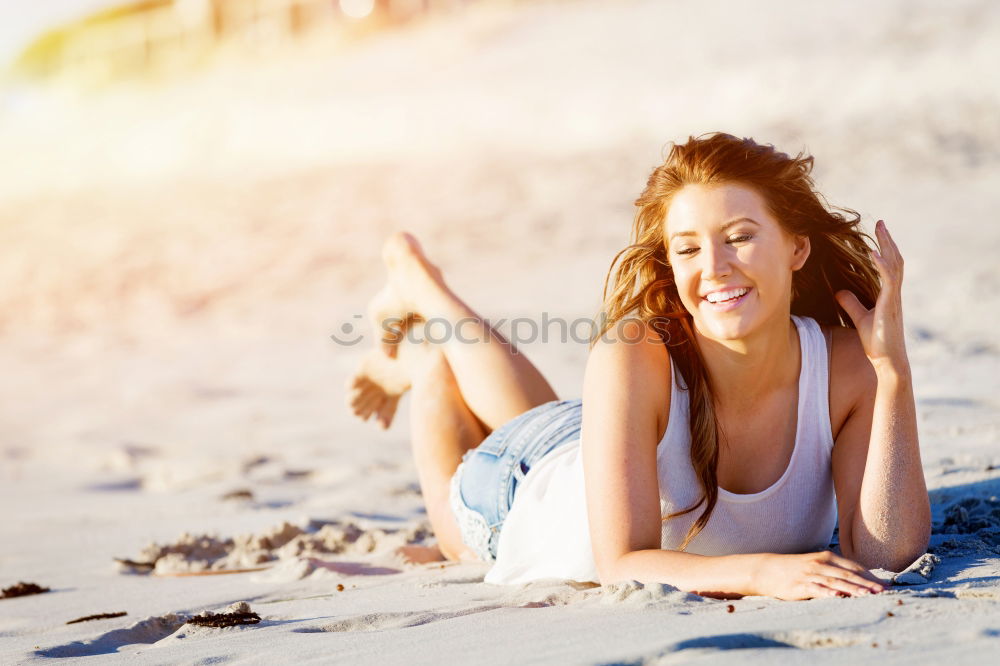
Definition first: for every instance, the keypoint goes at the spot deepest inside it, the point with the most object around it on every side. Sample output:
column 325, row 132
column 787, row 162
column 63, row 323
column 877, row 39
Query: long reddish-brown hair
column 642, row 285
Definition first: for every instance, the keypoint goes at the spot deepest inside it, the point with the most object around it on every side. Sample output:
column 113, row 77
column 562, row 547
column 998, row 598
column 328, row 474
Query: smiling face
column 732, row 260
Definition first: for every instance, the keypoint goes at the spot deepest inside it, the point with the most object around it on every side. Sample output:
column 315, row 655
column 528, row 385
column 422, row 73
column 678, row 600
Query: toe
column 371, row 402
column 365, row 404
column 358, row 395
column 389, row 411
column 386, row 412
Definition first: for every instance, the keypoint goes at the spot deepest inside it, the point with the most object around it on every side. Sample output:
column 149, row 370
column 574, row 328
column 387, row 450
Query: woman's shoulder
column 852, row 377
column 631, row 356
column 635, row 345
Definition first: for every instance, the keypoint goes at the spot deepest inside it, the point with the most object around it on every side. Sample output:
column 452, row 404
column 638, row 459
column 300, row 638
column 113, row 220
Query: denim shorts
column 482, row 488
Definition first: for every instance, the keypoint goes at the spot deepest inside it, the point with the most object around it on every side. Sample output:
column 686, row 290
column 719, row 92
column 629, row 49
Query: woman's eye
column 740, row 238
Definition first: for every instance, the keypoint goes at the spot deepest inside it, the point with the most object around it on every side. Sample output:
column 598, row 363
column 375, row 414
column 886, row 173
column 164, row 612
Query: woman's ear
column 800, row 251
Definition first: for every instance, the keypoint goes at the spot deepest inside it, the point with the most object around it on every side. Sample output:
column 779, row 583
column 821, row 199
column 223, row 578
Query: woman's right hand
column 812, row 575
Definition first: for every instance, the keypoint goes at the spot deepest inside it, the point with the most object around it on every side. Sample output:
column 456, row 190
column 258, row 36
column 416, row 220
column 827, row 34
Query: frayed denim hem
column 475, row 531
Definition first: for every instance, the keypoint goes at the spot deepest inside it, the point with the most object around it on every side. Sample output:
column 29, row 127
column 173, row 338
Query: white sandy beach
column 175, row 258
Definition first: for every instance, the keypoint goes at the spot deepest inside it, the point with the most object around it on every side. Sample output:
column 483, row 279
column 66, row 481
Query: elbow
column 899, row 564
column 903, row 554
column 893, row 551
column 911, row 552
column 607, row 572
column 914, row 545
column 613, row 570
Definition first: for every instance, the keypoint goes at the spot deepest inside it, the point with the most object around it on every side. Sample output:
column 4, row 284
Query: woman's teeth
column 722, row 296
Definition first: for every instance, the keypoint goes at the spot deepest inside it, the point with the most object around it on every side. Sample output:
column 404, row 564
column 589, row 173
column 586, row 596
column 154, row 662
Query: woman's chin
column 724, row 327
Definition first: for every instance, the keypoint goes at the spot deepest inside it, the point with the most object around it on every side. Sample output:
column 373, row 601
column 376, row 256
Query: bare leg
column 442, row 429
column 496, row 381
column 463, row 388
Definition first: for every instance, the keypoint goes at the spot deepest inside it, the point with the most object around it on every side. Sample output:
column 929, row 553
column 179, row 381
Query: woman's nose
column 716, row 263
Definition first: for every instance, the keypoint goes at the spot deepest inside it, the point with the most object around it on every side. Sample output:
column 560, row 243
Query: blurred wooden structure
column 162, row 36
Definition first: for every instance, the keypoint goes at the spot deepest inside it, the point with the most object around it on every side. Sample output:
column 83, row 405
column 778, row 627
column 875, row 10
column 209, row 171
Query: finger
column 880, row 232
column 852, row 306
column 874, row 580
column 878, row 259
column 816, row 590
column 843, row 586
column 847, row 563
column 896, row 255
column 849, row 577
column 886, row 243
column 888, row 253
column 887, row 273
column 870, row 579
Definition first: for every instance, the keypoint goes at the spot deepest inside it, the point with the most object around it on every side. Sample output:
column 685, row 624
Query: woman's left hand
column 881, row 328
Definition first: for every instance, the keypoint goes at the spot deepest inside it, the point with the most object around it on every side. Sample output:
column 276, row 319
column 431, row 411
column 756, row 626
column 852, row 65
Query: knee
column 430, row 365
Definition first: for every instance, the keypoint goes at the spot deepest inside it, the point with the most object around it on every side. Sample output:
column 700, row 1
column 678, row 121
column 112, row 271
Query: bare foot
column 413, row 284
column 415, row 287
column 376, row 387
column 411, row 273
column 411, row 554
column 390, row 317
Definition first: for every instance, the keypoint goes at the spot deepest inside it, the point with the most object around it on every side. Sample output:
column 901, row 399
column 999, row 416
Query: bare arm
column 892, row 525
column 885, row 512
column 723, row 576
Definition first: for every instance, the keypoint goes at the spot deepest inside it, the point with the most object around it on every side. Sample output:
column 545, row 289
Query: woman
column 748, row 392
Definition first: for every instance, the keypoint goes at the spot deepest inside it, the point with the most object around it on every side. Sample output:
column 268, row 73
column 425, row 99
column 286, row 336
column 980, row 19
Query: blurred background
column 193, row 193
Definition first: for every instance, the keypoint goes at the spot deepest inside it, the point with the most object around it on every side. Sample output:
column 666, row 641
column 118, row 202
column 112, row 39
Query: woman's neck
column 744, row 370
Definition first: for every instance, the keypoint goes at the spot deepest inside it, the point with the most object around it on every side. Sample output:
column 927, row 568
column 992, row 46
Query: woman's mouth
column 723, row 301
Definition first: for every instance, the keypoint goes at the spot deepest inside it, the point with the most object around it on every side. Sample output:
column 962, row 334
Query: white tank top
column 546, row 534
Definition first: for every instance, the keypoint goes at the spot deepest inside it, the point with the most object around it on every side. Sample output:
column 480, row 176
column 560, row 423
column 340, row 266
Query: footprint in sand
column 803, row 640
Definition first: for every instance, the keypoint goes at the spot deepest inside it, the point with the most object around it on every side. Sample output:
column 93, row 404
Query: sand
column 175, row 258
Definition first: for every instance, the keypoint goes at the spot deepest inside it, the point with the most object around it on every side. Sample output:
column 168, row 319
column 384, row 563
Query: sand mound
column 973, row 515
column 634, row 593
column 283, row 542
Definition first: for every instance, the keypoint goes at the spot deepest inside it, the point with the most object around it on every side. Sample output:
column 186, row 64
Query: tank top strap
column 676, row 386
column 815, row 398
